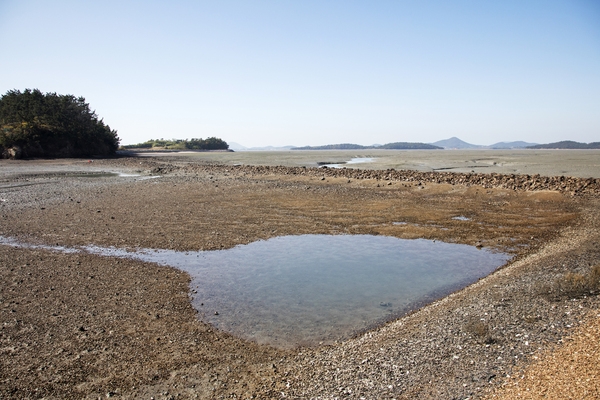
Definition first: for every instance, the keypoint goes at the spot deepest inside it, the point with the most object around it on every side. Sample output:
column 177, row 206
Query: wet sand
column 78, row 325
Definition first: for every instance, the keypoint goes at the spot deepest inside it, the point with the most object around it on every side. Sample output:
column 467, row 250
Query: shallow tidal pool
column 307, row 290
column 310, row 289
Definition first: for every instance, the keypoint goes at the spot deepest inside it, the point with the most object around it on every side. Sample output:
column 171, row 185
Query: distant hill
column 341, row 146
column 389, row 146
column 409, row 146
column 511, row 145
column 236, row 146
column 567, row 144
column 211, row 143
column 456, row 143
column 452, row 143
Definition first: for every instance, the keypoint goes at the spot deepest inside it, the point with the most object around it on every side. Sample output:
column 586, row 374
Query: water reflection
column 356, row 160
column 461, row 218
column 303, row 290
column 309, row 289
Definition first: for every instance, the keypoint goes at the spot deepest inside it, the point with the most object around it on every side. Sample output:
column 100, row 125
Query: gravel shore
column 83, row 326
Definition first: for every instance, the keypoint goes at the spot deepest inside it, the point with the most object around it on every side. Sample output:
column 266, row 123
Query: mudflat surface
column 79, row 325
column 579, row 163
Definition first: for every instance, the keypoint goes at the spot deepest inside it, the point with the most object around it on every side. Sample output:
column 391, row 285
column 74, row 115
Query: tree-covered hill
column 34, row 124
column 409, row 146
column 211, row 143
column 567, row 144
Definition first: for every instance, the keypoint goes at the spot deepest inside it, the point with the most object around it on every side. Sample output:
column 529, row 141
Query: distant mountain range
column 452, row 143
column 512, row 145
column 390, row 146
column 456, row 143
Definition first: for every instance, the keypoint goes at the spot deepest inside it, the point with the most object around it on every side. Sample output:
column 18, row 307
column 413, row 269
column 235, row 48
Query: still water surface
column 309, row 289
column 356, row 160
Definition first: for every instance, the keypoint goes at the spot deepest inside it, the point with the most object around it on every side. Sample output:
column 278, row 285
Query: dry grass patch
column 573, row 285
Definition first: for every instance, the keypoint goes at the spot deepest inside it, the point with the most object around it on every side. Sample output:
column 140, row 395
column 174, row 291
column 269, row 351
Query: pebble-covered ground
column 568, row 372
column 78, row 325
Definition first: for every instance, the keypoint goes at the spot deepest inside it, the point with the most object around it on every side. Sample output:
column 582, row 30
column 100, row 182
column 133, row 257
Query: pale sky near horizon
column 300, row 73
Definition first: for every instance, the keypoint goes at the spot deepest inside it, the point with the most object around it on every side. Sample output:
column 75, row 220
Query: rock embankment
column 570, row 185
column 515, row 182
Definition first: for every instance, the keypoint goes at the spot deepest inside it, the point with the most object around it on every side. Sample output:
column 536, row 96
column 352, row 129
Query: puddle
column 89, row 174
column 461, row 218
column 138, row 176
column 15, row 243
column 357, row 160
column 311, row 289
column 103, row 174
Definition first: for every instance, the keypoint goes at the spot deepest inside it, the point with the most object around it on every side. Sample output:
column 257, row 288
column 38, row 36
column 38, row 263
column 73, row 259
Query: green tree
column 34, row 124
column 211, row 143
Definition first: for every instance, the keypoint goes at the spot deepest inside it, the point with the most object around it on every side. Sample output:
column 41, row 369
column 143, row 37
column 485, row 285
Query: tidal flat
column 80, row 325
column 577, row 163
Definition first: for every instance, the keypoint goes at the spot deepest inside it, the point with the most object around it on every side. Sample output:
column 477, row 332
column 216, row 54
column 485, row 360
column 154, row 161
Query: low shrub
column 573, row 285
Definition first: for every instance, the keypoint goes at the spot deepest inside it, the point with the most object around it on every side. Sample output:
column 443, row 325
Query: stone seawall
column 570, row 185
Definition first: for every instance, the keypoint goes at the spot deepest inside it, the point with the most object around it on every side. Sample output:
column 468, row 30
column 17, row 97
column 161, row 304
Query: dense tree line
column 34, row 124
column 211, row 143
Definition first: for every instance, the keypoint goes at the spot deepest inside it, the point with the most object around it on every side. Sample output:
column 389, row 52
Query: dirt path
column 77, row 325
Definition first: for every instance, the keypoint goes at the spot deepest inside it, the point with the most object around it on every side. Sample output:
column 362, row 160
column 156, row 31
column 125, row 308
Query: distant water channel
column 356, row 160
column 311, row 289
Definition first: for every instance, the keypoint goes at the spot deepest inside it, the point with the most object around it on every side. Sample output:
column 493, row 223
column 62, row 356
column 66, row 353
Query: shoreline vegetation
column 567, row 144
column 36, row 124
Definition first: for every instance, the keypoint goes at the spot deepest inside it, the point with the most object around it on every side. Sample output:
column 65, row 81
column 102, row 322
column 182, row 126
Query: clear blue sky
column 316, row 72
